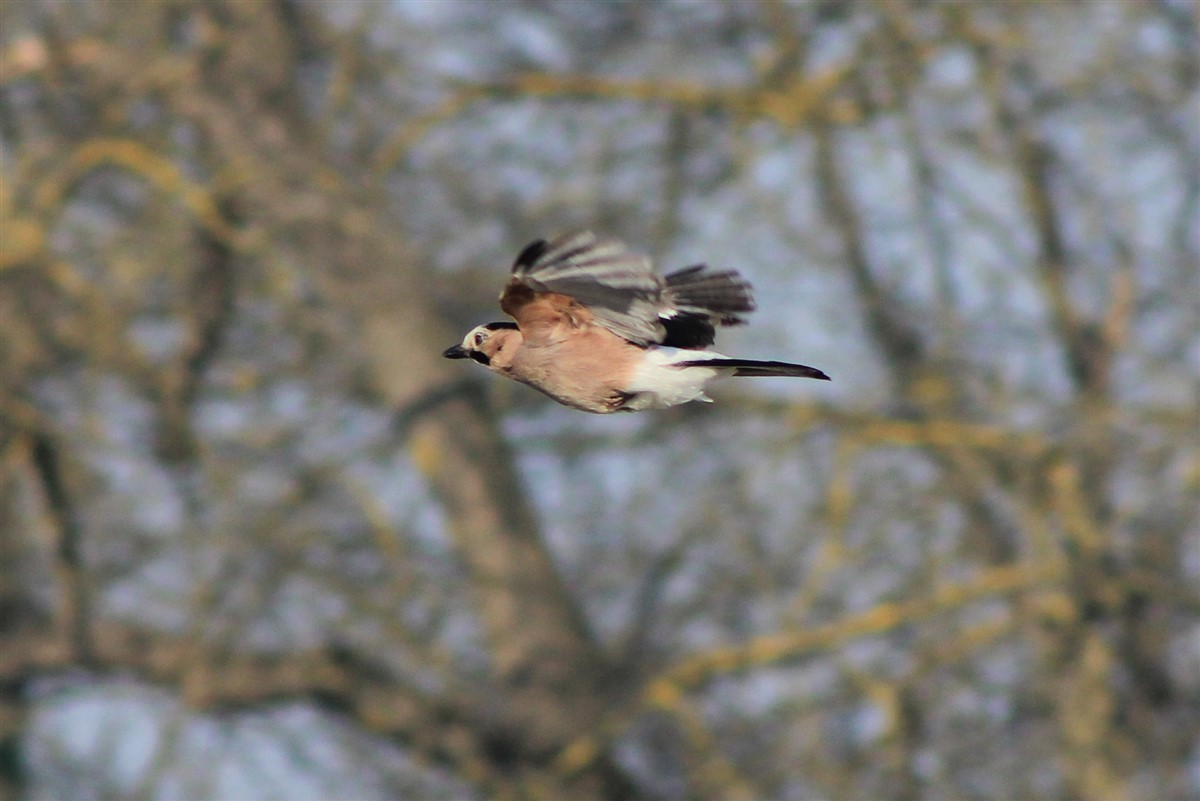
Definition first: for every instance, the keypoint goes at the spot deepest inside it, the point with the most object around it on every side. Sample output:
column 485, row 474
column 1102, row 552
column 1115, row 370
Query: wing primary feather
column 529, row 255
column 560, row 250
column 721, row 295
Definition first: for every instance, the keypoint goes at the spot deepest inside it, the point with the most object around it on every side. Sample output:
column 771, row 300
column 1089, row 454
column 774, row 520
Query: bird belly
column 579, row 373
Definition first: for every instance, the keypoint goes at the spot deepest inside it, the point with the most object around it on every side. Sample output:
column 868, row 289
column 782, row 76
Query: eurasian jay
column 597, row 329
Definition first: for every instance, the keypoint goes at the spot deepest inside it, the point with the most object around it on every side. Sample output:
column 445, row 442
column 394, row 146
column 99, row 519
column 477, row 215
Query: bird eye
column 479, row 338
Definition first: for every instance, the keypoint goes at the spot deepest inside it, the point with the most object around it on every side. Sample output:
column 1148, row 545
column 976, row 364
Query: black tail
column 755, row 367
column 719, row 295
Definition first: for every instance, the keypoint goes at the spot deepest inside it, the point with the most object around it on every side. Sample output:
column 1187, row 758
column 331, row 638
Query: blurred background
column 261, row 541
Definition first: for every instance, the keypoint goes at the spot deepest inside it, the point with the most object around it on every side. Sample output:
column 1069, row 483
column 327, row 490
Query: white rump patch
column 658, row 384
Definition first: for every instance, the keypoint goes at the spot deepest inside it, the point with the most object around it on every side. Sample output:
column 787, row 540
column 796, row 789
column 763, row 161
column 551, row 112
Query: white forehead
column 469, row 339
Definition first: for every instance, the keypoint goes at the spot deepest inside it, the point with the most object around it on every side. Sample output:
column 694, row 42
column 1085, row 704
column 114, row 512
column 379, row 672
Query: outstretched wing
column 579, row 278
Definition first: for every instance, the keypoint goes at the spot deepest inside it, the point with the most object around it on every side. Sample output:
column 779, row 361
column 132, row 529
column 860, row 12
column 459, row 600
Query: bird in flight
column 597, row 329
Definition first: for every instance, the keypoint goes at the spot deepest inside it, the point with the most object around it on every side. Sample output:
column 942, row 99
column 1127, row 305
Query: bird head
column 484, row 342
